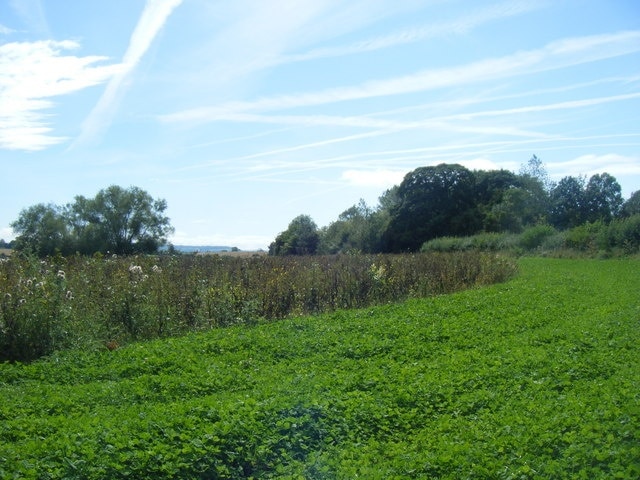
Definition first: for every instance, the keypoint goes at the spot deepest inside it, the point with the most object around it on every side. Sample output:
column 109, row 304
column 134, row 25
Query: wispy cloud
column 587, row 102
column 31, row 74
column 258, row 41
column 590, row 164
column 246, row 35
column 448, row 123
column 32, row 14
column 153, row 18
column 5, row 30
column 474, row 155
column 556, row 55
column 458, row 26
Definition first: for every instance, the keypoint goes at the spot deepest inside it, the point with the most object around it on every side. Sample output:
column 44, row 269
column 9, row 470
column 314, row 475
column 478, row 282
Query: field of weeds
column 93, row 302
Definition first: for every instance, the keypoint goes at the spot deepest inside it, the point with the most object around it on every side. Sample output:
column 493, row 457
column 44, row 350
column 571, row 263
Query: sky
column 245, row 114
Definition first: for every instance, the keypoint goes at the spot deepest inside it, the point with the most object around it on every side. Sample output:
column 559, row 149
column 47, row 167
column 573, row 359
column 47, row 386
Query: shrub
column 534, row 237
column 625, row 234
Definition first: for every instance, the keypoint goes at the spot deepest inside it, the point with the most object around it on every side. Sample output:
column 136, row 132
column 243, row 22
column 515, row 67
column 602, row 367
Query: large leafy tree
column 603, row 198
column 300, row 238
column 575, row 201
column 501, row 199
column 433, row 201
column 42, row 229
column 535, row 170
column 568, row 203
column 358, row 229
column 632, row 205
column 116, row 220
column 121, row 221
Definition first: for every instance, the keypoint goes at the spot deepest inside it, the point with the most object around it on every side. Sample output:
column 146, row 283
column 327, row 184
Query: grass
column 538, row 377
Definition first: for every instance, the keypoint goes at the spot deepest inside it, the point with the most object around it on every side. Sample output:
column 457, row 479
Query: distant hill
column 200, row 248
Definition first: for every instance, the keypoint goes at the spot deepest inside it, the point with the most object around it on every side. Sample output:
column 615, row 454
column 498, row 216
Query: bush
column 534, row 237
column 625, row 234
column 621, row 235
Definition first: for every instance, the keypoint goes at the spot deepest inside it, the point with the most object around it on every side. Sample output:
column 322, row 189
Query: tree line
column 116, row 220
column 431, row 202
column 451, row 200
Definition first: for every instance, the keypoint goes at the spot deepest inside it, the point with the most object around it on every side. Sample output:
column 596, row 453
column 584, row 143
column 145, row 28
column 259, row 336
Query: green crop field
column 537, row 377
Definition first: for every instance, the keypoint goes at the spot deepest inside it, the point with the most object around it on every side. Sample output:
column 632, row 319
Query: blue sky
column 245, row 114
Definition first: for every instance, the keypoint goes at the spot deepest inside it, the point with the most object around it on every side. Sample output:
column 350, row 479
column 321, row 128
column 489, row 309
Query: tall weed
column 107, row 300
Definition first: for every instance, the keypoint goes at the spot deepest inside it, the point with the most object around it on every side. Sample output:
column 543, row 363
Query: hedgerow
column 619, row 237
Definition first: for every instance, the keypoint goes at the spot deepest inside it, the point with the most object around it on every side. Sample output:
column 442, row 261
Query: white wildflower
column 135, row 269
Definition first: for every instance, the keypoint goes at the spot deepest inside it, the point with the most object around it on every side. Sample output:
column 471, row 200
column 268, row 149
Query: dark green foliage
column 625, row 234
column 79, row 301
column 501, row 198
column 432, row 202
column 534, row 237
column 448, row 200
column 632, row 205
column 534, row 378
column 568, row 203
column 357, row 230
column 574, row 203
column 42, row 230
column 116, row 220
column 603, row 198
column 617, row 238
column 300, row 238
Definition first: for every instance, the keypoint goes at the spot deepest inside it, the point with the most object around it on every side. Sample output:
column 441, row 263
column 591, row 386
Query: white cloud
column 368, row 121
column 31, row 73
column 5, row 30
column 257, row 35
column 153, row 18
column 250, row 34
column 612, row 163
column 6, row 234
column 458, row 26
column 556, row 55
column 374, row 178
column 480, row 163
column 588, row 102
